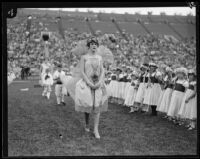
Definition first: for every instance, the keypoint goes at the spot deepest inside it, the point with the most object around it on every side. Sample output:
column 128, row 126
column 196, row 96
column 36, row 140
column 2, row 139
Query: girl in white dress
column 11, row 77
column 120, row 87
column 45, row 65
column 113, row 87
column 153, row 91
column 107, row 82
column 166, row 97
column 127, row 79
column 143, row 79
column 132, row 91
column 47, row 79
column 188, row 108
column 181, row 84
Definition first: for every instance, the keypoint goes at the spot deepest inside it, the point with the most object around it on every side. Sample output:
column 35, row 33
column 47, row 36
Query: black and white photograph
column 100, row 81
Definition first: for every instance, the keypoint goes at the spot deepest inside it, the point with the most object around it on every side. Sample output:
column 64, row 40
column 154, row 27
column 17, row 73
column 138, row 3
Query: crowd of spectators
column 26, row 49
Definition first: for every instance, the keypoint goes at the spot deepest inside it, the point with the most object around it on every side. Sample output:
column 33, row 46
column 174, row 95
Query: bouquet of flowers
column 95, row 78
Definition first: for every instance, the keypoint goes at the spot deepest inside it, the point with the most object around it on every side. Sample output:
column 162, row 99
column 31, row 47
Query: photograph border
column 8, row 5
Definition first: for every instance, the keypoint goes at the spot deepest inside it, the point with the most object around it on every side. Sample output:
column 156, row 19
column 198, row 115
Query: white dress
column 132, row 91
column 153, row 91
column 44, row 66
column 120, row 87
column 127, row 86
column 141, row 89
column 112, row 87
column 86, row 99
column 177, row 98
column 47, row 81
column 189, row 110
column 163, row 106
column 11, row 77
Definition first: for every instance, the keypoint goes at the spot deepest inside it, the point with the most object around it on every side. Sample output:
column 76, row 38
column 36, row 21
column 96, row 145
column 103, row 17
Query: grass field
column 35, row 125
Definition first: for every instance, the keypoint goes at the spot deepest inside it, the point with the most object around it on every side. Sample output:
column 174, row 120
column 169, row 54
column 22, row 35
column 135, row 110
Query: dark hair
column 92, row 40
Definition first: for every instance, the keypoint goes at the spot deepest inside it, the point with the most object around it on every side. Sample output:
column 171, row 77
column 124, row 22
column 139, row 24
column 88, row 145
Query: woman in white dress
column 188, row 108
column 90, row 92
column 120, row 89
column 132, row 91
column 166, row 97
column 143, row 79
column 153, row 91
column 113, row 87
column 127, row 84
column 181, row 84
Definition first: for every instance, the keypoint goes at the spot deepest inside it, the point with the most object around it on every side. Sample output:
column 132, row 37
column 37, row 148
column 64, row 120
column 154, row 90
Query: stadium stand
column 132, row 27
column 186, row 30
column 160, row 28
column 104, row 27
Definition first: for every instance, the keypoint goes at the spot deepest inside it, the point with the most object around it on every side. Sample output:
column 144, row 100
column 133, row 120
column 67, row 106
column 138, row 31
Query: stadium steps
column 185, row 30
column 145, row 28
column 73, row 24
column 132, row 27
column 119, row 29
column 90, row 26
column 104, row 27
column 161, row 28
column 181, row 37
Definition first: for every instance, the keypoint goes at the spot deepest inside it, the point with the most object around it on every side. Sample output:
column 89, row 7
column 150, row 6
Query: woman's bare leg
column 96, row 125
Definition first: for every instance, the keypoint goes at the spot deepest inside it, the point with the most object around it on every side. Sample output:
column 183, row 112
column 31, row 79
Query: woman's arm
column 85, row 78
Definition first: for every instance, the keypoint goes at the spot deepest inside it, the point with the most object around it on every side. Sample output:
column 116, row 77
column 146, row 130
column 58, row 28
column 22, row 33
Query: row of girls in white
column 178, row 101
column 122, row 87
column 174, row 96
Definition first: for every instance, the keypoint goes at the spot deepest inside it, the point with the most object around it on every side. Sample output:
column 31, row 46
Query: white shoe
column 96, row 134
column 190, row 128
column 87, row 129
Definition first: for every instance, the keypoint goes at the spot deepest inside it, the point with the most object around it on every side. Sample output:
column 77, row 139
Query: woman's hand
column 91, row 85
column 97, row 85
column 187, row 100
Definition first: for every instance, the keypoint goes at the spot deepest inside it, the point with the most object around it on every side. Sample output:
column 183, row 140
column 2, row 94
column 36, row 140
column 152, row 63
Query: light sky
column 154, row 10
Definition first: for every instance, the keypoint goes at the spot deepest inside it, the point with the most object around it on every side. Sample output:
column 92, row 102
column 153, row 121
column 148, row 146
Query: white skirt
column 165, row 102
column 123, row 90
column 140, row 93
column 188, row 110
column 87, row 100
column 130, row 98
column 112, row 88
column 175, row 104
column 147, row 95
column 152, row 94
column 127, row 86
column 120, row 89
column 160, row 98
